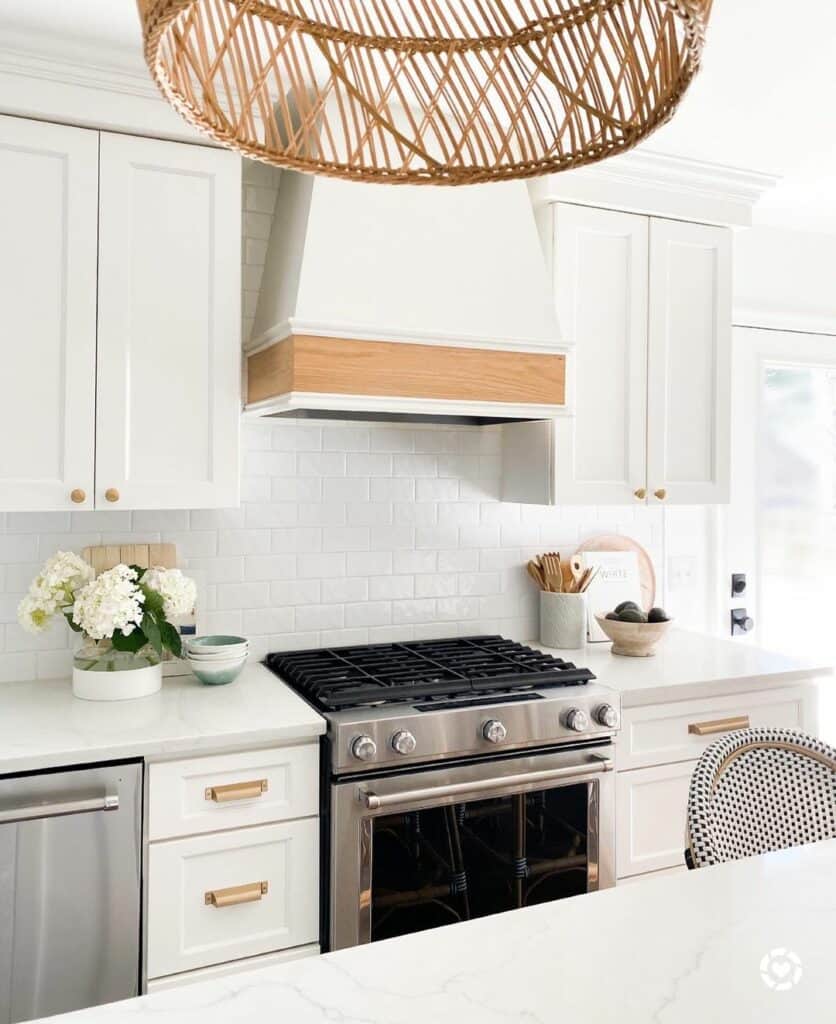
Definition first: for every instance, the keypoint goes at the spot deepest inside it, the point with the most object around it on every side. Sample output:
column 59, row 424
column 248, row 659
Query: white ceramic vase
column 102, row 673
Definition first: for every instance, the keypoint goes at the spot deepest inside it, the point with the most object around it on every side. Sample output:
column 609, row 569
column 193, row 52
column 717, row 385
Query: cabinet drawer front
column 651, row 808
column 187, row 930
column 664, row 733
column 205, row 794
column 250, row 963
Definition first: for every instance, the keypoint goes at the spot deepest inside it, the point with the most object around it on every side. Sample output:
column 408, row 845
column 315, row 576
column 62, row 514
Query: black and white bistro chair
column 758, row 790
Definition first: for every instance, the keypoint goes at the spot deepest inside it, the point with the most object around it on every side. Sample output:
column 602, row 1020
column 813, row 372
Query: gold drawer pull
column 719, row 725
column 235, row 894
column 236, row 791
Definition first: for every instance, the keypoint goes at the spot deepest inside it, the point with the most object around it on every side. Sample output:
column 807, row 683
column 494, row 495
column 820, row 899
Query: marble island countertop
column 690, row 666
column 746, row 941
column 42, row 725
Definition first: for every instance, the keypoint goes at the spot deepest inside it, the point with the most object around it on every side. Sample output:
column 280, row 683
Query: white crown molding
column 100, row 88
column 644, row 181
column 374, row 332
column 88, row 67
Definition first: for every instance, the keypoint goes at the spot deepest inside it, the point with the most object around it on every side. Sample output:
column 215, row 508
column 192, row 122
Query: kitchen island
column 746, row 941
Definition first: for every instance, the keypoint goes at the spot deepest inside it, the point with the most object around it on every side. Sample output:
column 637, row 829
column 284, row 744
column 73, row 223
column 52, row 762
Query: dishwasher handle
column 60, row 809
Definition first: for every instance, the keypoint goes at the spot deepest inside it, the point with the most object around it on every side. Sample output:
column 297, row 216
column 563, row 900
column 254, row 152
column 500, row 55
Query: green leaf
column 140, row 572
column 171, row 638
column 69, row 617
column 153, row 602
column 133, row 642
column 152, row 631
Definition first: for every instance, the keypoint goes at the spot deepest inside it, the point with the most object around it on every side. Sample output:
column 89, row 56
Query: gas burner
column 420, row 673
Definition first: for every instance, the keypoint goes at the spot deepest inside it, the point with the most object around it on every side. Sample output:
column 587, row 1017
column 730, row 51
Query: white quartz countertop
column 686, row 949
column 689, row 666
column 42, row 725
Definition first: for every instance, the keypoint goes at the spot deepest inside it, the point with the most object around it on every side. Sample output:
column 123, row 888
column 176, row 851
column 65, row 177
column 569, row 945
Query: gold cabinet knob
column 661, row 494
column 77, row 496
column 112, row 494
column 640, row 493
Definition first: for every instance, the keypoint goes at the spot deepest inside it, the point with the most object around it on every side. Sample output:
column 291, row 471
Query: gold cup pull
column 236, row 791
column 77, row 496
column 718, row 725
column 112, row 494
column 640, row 493
column 661, row 494
column 235, row 894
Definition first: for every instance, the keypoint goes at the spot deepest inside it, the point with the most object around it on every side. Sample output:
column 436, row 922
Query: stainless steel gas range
column 461, row 778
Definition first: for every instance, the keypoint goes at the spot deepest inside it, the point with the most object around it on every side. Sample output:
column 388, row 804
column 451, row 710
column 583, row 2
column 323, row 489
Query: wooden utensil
column 577, row 568
column 535, row 574
column 553, row 575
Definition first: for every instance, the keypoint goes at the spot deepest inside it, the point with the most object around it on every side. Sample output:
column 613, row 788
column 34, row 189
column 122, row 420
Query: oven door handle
column 596, row 765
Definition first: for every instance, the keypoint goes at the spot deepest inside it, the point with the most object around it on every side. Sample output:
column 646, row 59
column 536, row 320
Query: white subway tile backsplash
column 321, row 464
column 349, row 588
column 388, row 588
column 369, row 613
column 387, row 533
column 320, row 616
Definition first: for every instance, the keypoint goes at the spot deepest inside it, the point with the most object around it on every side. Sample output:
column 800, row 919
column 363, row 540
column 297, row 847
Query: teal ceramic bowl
column 218, row 646
column 217, row 673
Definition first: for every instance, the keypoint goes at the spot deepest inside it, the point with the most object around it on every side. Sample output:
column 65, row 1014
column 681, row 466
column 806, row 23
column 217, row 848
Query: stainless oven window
column 466, row 860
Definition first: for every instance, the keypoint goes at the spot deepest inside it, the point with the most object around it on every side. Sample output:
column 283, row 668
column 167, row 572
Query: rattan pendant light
column 442, row 92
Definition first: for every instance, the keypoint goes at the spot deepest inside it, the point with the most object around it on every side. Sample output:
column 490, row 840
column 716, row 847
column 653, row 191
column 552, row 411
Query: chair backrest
column 757, row 790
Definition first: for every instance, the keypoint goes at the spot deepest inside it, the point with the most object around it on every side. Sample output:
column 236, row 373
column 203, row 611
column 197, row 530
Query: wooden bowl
column 633, row 639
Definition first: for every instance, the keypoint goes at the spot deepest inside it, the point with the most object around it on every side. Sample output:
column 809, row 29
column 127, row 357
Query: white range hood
column 440, row 294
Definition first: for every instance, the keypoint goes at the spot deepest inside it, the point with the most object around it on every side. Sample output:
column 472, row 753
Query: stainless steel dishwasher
column 70, row 880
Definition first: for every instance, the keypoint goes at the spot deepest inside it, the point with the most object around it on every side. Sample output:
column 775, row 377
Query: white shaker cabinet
column 48, row 213
column 645, row 304
column 120, row 292
column 169, row 313
column 689, row 363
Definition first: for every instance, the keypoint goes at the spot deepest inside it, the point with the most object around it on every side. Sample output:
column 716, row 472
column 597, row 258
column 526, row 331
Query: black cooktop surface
column 336, row 678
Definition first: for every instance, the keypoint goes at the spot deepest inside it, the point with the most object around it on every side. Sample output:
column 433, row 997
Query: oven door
column 434, row 846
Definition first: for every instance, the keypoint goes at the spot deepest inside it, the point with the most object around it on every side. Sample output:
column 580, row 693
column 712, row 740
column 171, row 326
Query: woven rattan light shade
column 425, row 91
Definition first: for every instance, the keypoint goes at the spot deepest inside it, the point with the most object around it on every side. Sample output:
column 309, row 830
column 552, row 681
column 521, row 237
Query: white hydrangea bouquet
column 124, row 614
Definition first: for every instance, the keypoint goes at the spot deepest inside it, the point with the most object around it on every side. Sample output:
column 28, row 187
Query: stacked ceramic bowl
column 217, row 659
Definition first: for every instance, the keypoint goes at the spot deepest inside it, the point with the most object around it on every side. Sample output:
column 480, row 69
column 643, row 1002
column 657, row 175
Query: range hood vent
column 404, row 300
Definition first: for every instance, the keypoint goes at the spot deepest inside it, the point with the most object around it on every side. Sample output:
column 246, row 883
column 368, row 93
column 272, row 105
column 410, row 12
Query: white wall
column 348, row 533
column 785, row 279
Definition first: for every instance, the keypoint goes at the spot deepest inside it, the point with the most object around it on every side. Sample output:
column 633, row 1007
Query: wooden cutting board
column 616, row 542
column 144, row 555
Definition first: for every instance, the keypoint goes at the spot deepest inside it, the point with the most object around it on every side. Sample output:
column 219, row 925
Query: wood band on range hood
column 405, row 370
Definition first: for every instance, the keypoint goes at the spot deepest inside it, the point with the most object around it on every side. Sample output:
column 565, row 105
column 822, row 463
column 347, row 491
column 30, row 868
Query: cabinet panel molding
column 689, row 363
column 169, row 325
column 48, row 214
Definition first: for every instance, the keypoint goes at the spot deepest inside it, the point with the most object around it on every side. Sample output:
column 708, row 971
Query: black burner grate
column 336, row 678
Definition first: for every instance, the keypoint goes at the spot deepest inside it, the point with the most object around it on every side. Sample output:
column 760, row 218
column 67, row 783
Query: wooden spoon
column 535, row 574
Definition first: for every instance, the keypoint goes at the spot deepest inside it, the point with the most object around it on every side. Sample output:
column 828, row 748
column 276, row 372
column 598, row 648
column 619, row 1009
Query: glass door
column 782, row 517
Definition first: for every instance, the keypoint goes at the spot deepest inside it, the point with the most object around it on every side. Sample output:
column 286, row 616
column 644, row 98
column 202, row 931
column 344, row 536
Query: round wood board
column 615, row 542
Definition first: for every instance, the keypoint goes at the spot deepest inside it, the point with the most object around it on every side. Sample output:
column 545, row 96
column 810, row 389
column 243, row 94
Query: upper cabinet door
column 169, row 352
column 601, row 291
column 48, row 213
column 689, row 363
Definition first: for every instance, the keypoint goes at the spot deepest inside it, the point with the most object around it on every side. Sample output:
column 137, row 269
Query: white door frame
column 752, row 349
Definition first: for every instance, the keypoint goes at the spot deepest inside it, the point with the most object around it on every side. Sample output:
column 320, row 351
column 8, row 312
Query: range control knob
column 403, row 742
column 607, row 716
column 577, row 720
column 363, row 748
column 494, row 731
